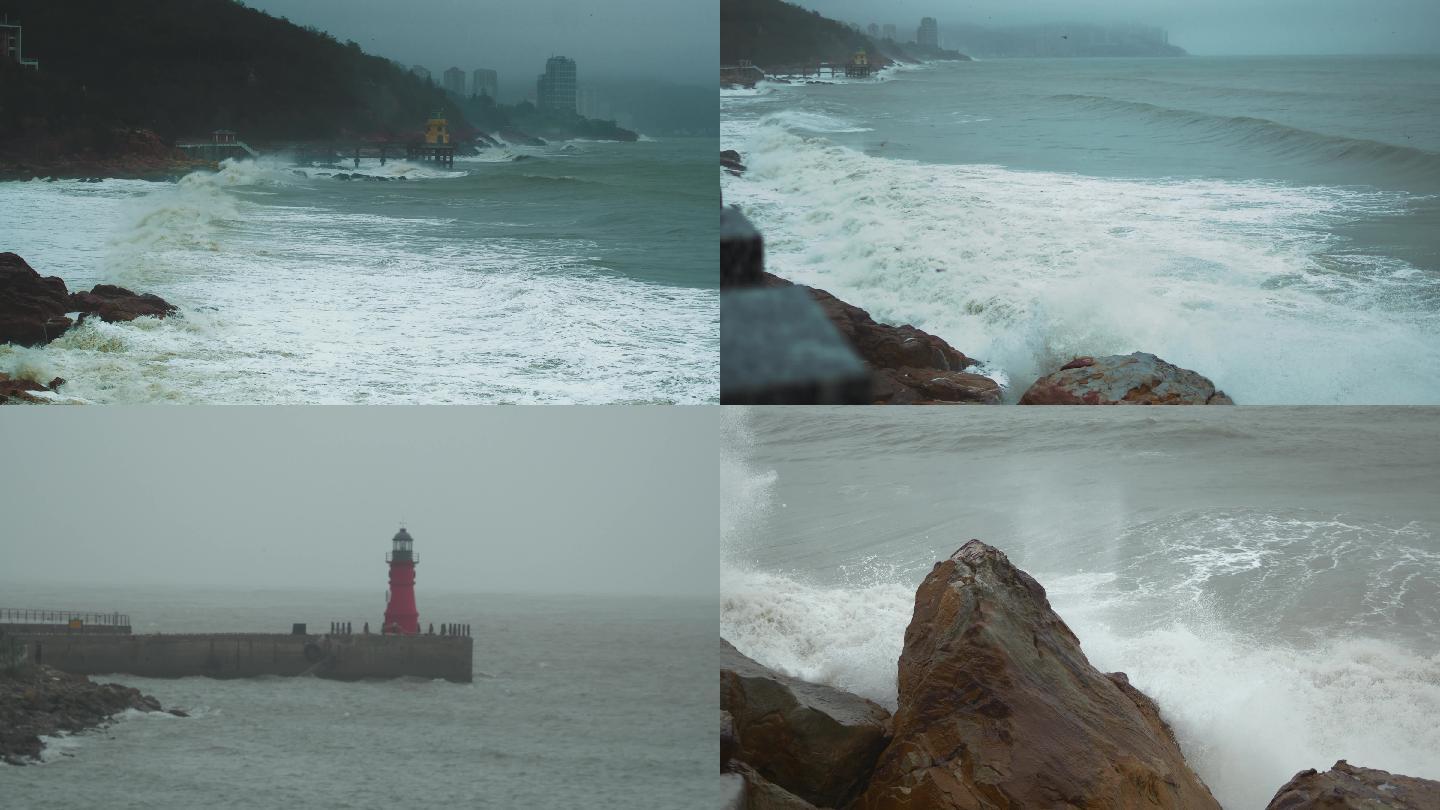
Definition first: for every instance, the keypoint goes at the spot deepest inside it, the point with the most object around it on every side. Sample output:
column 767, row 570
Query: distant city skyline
column 610, row 43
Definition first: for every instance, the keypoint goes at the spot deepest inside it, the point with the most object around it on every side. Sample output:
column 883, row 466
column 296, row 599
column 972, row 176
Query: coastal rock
column 113, row 304
column 15, row 390
column 760, row 793
column 813, row 741
column 1130, row 379
column 910, row 365
column 37, row 701
column 517, row 138
column 730, row 162
column 1347, row 787
column 999, row 708
column 32, row 306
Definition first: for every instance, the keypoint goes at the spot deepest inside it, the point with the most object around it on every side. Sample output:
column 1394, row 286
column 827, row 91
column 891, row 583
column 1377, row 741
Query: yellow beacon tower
column 437, row 130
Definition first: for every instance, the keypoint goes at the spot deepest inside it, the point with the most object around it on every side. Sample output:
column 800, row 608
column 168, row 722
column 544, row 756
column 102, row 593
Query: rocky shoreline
column 37, row 701
column 36, row 309
column 998, row 707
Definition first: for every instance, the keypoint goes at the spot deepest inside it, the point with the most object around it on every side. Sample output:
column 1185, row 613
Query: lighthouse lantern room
column 401, row 616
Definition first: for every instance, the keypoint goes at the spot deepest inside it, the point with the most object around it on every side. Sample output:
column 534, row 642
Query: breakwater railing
column 65, row 617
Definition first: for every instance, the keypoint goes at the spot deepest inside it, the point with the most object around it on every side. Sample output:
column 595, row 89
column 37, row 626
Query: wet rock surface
column 32, row 306
column 115, row 304
column 37, row 701
column 795, row 741
column 36, row 309
column 730, row 162
column 1348, row 787
column 999, row 708
column 1129, row 379
column 910, row 366
column 14, row 390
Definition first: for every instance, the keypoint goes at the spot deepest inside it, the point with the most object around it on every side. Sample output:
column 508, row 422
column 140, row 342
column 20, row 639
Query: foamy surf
column 1281, row 291
column 294, row 287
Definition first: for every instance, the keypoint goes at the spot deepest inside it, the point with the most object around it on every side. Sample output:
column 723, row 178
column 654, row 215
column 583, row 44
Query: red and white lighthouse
column 400, row 613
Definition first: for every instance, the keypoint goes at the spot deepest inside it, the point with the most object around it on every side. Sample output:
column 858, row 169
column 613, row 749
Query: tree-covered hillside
column 771, row 33
column 186, row 67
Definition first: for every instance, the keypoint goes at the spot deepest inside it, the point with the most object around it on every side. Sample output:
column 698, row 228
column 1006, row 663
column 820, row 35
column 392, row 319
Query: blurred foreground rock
column 37, row 701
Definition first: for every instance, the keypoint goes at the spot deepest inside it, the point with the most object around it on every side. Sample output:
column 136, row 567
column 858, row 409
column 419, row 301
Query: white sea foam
column 288, row 293
column 1251, row 704
column 1238, row 280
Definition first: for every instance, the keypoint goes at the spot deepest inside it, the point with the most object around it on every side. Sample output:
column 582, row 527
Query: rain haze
column 1218, row 27
column 656, row 40
column 591, row 500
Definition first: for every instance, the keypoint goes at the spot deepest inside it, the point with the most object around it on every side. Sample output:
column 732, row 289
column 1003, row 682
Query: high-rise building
column 873, row 30
column 11, row 46
column 455, row 81
column 555, row 89
column 888, row 31
column 421, row 71
column 485, row 82
column 928, row 34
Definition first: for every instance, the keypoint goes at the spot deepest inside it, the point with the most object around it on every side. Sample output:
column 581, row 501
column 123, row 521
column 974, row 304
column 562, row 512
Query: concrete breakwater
column 350, row 657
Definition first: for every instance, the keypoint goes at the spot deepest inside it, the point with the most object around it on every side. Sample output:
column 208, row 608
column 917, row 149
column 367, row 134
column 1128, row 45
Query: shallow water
column 577, row 702
column 580, row 272
column 1273, row 223
column 1270, row 576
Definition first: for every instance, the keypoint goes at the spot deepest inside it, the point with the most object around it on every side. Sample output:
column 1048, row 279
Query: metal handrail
column 415, row 558
column 42, row 616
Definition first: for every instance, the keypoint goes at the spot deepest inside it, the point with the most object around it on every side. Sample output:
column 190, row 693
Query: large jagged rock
column 32, row 306
column 910, row 366
column 999, row 708
column 37, row 701
column 1346, row 787
column 1123, row 379
column 812, row 741
column 113, row 304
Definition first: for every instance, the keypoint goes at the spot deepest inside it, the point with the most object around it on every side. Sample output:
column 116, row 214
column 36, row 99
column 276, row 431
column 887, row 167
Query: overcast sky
column 1199, row 26
column 675, row 40
column 505, row 499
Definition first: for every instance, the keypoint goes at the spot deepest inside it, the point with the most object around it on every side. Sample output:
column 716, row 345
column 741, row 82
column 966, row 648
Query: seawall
column 248, row 655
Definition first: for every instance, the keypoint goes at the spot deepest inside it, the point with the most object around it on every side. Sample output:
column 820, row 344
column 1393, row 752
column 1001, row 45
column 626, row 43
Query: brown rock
column 1346, row 787
column 910, row 366
column 32, row 306
column 999, row 708
column 112, row 304
column 1130, row 379
column 762, row 794
column 13, row 390
column 813, row 741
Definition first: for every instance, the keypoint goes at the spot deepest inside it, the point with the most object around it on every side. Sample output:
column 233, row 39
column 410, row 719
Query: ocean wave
column 1027, row 269
column 1280, row 139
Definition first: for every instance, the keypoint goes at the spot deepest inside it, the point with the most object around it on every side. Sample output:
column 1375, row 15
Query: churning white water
column 1029, row 211
column 542, row 280
column 1270, row 576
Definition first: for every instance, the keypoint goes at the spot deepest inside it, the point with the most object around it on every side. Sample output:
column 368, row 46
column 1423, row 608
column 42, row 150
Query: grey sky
column 547, row 499
column 1199, row 26
column 674, row 40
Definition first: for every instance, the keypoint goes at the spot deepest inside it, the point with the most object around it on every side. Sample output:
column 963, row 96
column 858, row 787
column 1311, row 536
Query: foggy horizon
column 651, row 40
column 1220, row 28
column 578, row 501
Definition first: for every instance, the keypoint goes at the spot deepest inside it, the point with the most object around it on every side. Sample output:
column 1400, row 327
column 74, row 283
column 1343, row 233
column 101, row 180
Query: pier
column 342, row 657
column 103, row 643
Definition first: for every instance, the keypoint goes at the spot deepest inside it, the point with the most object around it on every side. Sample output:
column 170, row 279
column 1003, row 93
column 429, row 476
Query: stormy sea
column 1271, row 222
column 577, row 702
column 580, row 272
column 1270, row 576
